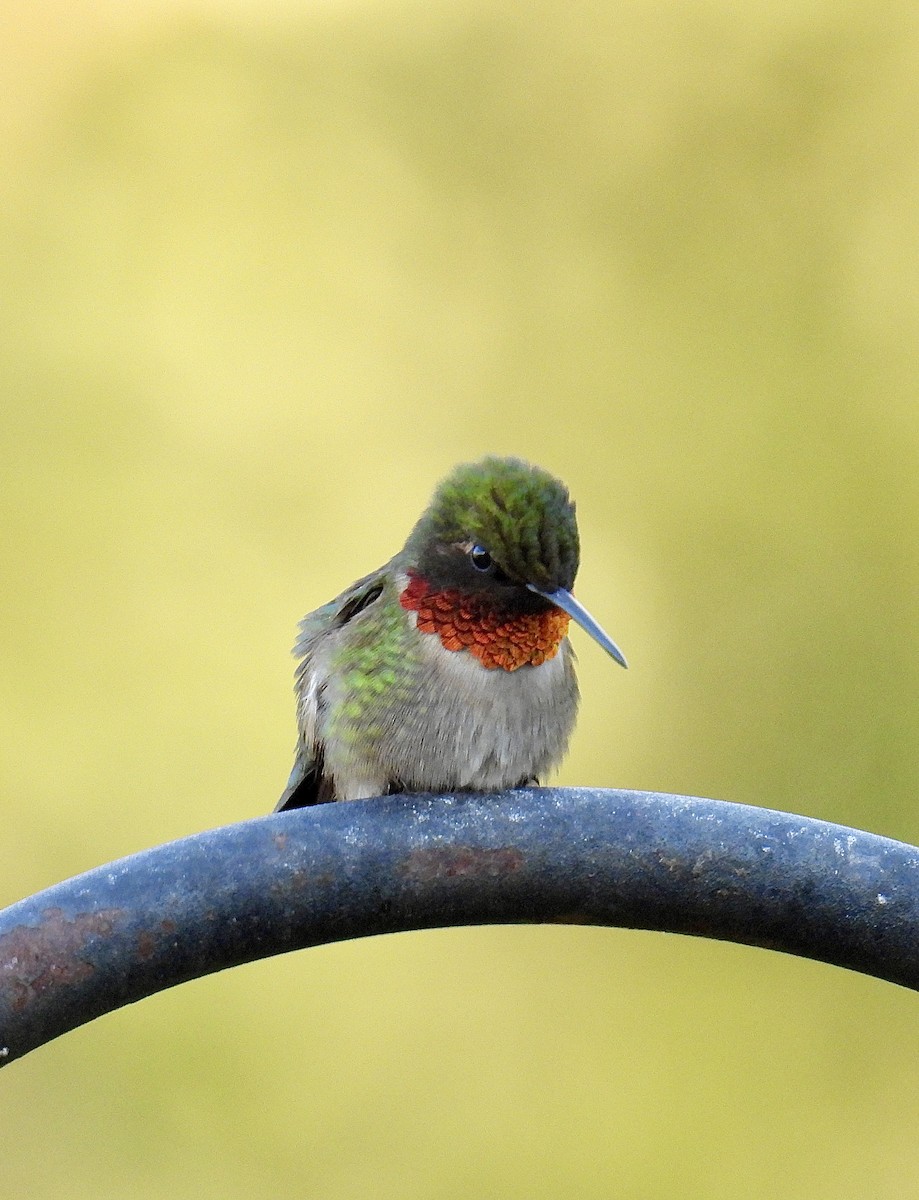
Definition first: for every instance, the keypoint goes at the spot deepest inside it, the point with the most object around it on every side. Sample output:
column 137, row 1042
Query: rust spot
column 280, row 840
column 146, row 944
column 35, row 959
column 168, row 926
column 448, row 862
column 299, row 879
column 701, row 864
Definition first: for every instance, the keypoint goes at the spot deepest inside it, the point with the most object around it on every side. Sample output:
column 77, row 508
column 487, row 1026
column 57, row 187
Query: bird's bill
column 567, row 603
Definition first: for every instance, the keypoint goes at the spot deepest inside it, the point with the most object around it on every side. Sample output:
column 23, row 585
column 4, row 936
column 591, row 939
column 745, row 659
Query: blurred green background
column 268, row 270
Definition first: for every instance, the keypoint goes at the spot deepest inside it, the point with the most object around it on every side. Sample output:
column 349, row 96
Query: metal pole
column 639, row 860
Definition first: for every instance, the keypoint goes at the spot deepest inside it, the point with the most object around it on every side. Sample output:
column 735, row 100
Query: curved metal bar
column 641, row 860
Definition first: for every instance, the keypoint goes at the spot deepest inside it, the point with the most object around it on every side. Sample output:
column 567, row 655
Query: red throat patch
column 471, row 622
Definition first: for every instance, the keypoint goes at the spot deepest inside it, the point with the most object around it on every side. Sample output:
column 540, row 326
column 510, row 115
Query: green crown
column 521, row 514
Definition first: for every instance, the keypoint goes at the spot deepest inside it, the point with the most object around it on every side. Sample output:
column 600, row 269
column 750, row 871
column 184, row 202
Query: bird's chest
column 399, row 705
column 471, row 726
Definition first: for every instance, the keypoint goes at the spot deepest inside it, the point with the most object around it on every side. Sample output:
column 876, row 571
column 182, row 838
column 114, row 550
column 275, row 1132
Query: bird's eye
column 480, row 557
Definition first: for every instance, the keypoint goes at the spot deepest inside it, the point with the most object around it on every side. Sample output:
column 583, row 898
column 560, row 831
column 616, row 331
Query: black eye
column 481, row 559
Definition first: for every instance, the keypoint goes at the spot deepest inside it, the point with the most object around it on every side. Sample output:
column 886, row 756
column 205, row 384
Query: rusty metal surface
column 315, row 875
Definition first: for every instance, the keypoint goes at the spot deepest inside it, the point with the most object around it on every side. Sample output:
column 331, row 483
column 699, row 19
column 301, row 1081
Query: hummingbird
column 449, row 668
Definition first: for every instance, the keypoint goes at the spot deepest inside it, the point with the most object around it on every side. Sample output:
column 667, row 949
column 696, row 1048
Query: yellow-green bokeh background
column 267, row 270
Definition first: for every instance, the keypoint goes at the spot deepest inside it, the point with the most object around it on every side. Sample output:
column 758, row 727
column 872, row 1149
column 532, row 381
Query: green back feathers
column 521, row 514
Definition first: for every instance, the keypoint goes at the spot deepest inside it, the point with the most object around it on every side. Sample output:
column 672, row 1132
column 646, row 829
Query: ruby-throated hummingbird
column 448, row 669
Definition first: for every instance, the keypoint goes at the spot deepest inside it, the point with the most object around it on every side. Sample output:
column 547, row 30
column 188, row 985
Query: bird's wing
column 308, row 783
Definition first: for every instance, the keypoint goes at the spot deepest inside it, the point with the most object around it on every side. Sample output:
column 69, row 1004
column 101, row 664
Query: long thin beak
column 567, row 603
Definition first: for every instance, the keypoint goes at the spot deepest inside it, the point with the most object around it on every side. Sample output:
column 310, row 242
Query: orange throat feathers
column 496, row 638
